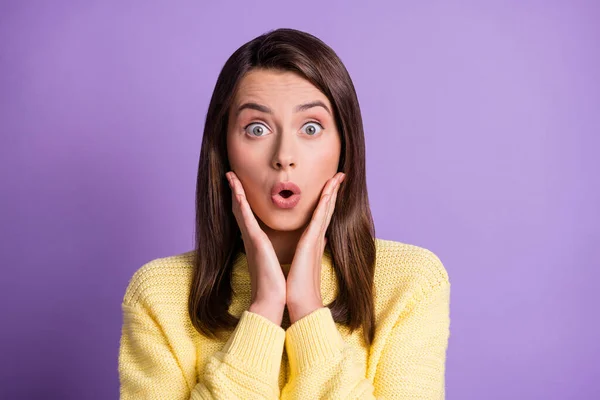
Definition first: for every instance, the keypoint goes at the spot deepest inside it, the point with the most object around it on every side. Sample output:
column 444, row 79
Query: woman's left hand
column 303, row 281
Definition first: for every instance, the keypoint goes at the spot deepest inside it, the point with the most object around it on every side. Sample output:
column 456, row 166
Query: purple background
column 481, row 120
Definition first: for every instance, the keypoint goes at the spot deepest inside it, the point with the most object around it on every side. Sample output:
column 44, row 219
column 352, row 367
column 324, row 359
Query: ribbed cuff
column 258, row 342
column 312, row 339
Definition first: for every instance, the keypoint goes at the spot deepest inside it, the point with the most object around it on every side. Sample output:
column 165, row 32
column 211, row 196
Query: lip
column 281, row 201
column 279, row 186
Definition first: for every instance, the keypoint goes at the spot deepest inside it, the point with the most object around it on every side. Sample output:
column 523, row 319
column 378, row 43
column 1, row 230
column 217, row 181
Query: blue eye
column 258, row 130
column 313, row 128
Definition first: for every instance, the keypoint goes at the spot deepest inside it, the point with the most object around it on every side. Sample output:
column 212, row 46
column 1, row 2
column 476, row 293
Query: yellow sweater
column 162, row 356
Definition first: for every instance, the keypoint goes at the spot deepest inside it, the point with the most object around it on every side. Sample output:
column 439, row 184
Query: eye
column 256, row 129
column 313, row 128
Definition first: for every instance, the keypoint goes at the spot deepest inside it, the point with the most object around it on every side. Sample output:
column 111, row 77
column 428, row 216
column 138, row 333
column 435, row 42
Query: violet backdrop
column 481, row 120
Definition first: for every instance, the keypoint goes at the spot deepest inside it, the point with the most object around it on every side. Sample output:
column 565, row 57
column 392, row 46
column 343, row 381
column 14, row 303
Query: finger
column 248, row 219
column 331, row 207
column 235, row 206
column 332, row 183
column 320, row 213
column 333, row 202
column 332, row 189
column 318, row 216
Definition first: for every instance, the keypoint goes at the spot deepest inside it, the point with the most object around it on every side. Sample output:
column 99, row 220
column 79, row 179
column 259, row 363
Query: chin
column 284, row 221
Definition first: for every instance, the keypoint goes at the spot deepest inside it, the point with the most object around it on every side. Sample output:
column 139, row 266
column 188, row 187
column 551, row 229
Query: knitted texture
column 162, row 356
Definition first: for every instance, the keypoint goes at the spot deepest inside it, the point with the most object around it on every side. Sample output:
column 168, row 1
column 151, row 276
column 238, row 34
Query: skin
column 284, row 145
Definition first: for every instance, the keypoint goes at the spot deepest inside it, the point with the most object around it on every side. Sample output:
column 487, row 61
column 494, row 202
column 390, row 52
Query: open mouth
column 286, row 193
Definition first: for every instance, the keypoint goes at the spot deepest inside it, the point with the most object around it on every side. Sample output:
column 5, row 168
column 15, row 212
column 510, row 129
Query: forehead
column 277, row 87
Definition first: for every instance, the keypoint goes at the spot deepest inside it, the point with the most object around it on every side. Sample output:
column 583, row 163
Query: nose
column 283, row 154
column 284, row 164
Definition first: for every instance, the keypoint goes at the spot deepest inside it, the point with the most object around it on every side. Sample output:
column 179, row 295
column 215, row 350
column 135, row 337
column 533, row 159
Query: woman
column 289, row 294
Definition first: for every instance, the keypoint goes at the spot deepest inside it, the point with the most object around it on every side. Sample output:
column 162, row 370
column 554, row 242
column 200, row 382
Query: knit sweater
column 162, row 356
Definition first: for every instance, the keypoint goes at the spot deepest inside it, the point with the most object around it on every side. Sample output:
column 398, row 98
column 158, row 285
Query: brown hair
column 351, row 231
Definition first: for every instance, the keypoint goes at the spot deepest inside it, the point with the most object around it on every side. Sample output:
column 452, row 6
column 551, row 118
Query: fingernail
column 342, row 178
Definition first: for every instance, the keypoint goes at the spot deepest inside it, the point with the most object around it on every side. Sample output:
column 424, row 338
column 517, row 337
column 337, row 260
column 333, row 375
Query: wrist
column 301, row 310
column 272, row 311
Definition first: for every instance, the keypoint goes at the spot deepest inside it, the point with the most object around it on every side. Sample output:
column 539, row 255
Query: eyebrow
column 265, row 109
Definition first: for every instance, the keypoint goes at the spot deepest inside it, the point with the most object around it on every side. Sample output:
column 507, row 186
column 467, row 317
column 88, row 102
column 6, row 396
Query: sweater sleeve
column 246, row 367
column 412, row 362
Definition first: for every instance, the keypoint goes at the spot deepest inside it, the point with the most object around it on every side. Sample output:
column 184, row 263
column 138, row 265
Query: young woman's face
column 281, row 128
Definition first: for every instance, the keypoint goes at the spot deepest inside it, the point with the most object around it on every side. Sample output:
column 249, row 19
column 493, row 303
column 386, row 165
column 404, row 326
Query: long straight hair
column 351, row 231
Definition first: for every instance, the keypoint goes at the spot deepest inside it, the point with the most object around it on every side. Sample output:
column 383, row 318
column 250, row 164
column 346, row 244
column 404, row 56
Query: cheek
column 324, row 161
column 323, row 166
column 242, row 157
column 245, row 159
column 234, row 152
column 246, row 163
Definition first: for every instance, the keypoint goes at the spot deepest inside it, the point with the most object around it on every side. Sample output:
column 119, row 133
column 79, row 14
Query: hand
column 303, row 284
column 266, row 275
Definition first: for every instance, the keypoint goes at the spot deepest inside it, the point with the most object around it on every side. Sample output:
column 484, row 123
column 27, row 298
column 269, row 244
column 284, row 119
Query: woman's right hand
column 267, row 279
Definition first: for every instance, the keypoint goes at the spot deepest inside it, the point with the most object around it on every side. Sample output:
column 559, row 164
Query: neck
column 284, row 243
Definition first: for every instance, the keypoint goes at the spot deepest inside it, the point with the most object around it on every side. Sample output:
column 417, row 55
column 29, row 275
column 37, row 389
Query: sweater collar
column 240, row 279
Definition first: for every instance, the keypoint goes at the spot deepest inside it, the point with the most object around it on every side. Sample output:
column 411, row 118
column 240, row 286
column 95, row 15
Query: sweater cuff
column 313, row 339
column 258, row 343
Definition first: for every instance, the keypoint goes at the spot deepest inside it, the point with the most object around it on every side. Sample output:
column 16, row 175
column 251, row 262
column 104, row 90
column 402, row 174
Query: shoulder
column 165, row 279
column 405, row 269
